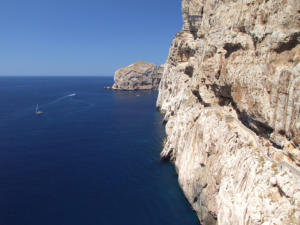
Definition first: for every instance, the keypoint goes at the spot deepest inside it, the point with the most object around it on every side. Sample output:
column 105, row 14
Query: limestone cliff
column 231, row 97
column 140, row 75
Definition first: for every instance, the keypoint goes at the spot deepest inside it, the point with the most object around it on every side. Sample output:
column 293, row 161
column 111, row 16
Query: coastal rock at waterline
column 231, row 97
column 138, row 76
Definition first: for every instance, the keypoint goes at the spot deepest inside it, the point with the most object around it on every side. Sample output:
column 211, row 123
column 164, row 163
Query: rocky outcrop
column 138, row 76
column 231, row 97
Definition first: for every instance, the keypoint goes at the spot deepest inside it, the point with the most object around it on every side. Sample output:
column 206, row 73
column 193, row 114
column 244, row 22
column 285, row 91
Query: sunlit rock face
column 230, row 92
column 138, row 76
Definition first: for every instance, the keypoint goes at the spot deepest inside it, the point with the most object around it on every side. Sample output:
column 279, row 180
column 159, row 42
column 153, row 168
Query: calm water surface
column 90, row 159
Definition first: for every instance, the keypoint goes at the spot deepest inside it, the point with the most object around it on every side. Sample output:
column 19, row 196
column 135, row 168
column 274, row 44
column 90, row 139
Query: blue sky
column 84, row 37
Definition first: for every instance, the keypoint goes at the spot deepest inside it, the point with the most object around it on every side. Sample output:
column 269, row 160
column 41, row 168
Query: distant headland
column 137, row 76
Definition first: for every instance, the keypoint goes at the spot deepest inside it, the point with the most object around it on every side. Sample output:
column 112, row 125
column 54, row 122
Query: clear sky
column 84, row 37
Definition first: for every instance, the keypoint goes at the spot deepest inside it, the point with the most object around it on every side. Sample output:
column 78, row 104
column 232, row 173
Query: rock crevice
column 231, row 97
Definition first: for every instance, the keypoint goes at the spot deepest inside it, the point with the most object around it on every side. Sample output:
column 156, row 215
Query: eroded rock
column 138, row 76
column 231, row 97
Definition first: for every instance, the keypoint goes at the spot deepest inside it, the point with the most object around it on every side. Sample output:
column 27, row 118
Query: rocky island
column 138, row 76
column 231, row 97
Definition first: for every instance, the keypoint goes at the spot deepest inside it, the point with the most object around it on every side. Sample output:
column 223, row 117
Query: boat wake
column 56, row 101
column 59, row 99
column 41, row 108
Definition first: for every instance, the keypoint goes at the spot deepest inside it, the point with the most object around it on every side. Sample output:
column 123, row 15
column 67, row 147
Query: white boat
column 37, row 111
column 73, row 94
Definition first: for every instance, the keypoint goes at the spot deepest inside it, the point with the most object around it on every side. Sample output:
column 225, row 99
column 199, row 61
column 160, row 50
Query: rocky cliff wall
column 231, row 97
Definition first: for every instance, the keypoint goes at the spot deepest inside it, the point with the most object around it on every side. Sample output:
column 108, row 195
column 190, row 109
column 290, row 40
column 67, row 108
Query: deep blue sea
column 89, row 159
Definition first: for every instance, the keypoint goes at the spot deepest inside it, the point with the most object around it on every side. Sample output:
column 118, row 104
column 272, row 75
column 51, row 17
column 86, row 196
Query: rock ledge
column 230, row 92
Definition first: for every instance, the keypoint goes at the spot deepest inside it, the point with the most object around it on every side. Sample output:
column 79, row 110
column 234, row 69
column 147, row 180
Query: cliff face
column 231, row 97
column 140, row 75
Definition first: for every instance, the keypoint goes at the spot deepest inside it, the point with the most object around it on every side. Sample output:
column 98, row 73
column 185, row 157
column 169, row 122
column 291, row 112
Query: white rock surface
column 231, row 97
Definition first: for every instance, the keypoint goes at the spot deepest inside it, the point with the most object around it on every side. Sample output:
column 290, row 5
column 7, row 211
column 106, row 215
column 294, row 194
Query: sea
column 91, row 158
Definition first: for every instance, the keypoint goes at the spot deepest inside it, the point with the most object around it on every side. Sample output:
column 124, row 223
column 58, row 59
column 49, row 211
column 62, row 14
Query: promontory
column 138, row 76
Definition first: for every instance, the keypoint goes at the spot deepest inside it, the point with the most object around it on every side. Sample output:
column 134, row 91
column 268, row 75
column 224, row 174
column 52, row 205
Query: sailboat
column 37, row 111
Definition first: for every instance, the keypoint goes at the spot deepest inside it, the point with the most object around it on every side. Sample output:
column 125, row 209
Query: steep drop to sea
column 230, row 94
column 89, row 159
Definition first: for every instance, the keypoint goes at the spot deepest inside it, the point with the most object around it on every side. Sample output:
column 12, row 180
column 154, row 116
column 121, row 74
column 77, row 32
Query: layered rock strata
column 138, row 76
column 231, row 97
